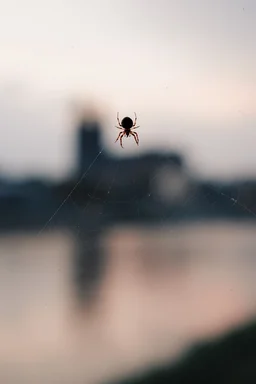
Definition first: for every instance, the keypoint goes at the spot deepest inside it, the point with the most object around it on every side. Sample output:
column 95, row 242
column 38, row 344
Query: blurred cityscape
column 134, row 265
column 105, row 190
column 137, row 260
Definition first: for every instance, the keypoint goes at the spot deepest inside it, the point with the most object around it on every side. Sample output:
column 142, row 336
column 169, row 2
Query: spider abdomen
column 127, row 123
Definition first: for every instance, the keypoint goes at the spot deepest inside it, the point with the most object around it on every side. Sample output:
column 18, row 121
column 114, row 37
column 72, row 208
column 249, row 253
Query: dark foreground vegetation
column 229, row 360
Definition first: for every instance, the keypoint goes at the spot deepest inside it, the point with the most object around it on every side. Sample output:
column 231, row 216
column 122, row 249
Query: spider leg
column 135, row 119
column 135, row 127
column 118, row 127
column 118, row 119
column 136, row 137
column 118, row 137
column 121, row 139
column 135, row 133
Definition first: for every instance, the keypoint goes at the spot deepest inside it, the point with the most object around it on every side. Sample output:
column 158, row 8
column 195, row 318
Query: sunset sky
column 187, row 67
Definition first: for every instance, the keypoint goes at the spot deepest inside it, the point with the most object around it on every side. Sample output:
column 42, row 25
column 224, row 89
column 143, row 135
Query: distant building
column 158, row 174
column 170, row 184
column 88, row 144
column 151, row 186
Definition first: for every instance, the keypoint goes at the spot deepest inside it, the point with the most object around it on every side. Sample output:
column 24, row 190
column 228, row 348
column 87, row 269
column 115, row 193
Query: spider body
column 127, row 125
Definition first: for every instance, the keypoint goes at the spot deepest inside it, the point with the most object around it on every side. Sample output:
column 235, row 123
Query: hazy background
column 190, row 63
column 146, row 257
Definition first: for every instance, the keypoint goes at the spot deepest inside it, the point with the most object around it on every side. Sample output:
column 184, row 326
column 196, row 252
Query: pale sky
column 187, row 67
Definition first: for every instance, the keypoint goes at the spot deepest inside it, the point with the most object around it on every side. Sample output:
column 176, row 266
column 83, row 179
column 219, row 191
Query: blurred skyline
column 186, row 67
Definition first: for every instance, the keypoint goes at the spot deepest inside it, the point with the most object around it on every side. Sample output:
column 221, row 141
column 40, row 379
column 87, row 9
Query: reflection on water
column 156, row 291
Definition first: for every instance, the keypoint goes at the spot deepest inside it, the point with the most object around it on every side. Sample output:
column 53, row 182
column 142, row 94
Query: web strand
column 236, row 202
column 71, row 192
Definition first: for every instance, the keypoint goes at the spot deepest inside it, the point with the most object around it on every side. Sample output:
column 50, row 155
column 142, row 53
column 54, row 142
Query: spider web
column 71, row 192
column 88, row 271
column 87, row 277
column 233, row 200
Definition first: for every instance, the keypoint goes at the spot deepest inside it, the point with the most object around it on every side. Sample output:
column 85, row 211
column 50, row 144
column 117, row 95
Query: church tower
column 89, row 143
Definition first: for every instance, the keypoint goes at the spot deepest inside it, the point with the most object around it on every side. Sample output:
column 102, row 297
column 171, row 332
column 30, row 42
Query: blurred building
column 137, row 188
column 156, row 175
column 88, row 143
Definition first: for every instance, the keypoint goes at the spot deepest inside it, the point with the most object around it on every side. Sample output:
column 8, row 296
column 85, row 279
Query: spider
column 127, row 125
